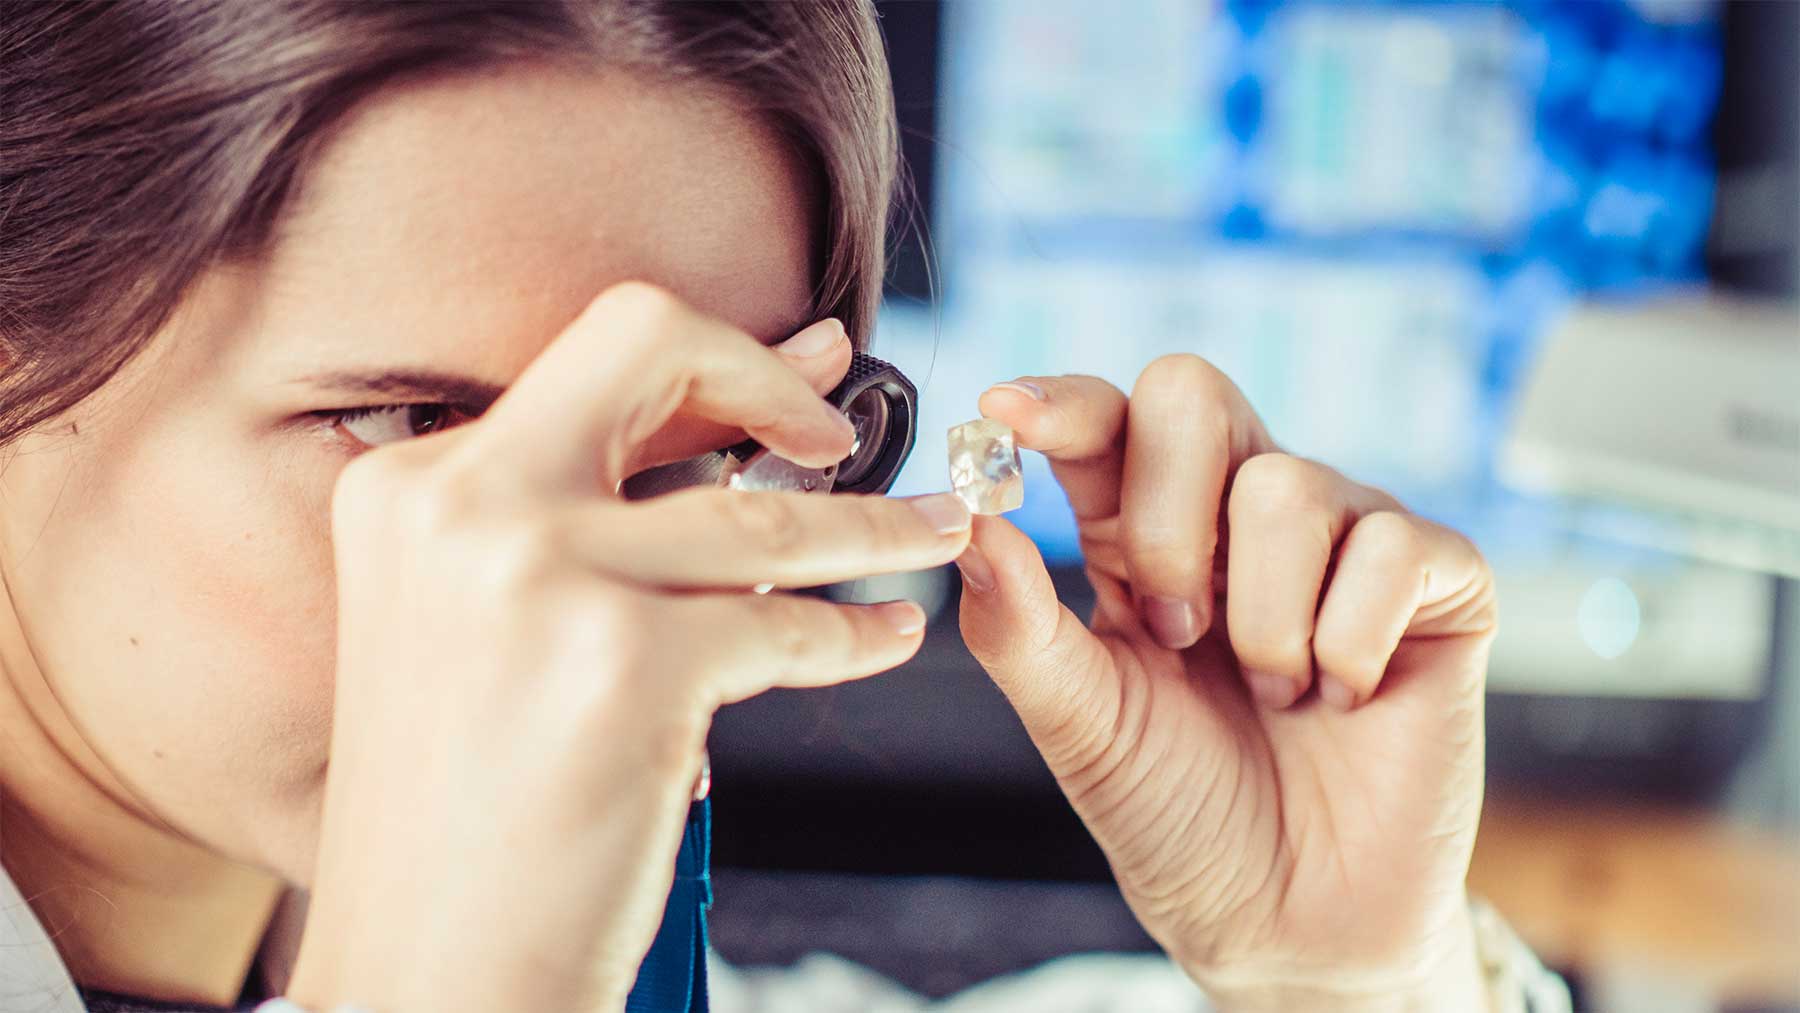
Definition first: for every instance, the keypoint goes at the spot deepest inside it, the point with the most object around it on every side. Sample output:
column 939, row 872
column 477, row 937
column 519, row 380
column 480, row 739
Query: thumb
column 1054, row 671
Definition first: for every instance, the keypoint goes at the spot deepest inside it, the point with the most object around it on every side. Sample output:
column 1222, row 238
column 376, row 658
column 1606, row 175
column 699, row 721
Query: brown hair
column 141, row 142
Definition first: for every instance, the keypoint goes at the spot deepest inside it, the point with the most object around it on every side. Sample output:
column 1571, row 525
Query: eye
column 379, row 424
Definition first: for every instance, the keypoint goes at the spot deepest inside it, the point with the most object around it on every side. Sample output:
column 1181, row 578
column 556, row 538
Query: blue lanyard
column 672, row 978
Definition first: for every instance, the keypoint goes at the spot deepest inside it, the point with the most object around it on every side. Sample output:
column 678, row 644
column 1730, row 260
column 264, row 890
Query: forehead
column 471, row 216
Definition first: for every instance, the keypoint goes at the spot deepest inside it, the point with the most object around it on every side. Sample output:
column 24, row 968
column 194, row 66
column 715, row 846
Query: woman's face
column 167, row 544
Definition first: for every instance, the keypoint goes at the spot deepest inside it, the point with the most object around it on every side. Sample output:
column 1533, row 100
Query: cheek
column 194, row 632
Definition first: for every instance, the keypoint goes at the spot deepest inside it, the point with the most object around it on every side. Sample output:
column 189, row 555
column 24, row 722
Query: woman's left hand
column 1273, row 724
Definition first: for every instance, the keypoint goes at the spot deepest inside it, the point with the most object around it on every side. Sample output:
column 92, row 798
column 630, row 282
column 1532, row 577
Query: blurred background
column 1530, row 266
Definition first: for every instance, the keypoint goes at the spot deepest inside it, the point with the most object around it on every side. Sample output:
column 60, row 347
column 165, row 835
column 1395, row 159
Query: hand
column 528, row 664
column 1273, row 726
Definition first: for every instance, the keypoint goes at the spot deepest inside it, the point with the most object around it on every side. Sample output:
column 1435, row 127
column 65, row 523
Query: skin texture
column 169, row 562
column 1286, row 780
column 166, row 546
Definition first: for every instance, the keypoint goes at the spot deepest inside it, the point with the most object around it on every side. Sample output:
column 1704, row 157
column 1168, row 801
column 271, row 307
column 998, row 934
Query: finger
column 1159, row 466
column 820, row 354
column 1078, row 424
column 760, row 642
column 615, row 376
column 1037, row 652
column 1187, row 428
column 1286, row 516
column 728, row 538
column 1396, row 574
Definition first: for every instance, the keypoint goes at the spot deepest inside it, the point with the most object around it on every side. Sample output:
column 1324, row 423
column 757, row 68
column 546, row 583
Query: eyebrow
column 434, row 385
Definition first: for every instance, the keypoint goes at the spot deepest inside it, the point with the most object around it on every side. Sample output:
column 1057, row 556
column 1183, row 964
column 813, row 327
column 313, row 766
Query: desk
column 1608, row 886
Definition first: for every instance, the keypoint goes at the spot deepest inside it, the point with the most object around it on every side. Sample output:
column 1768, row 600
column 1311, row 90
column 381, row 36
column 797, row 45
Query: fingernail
column 1336, row 693
column 1025, row 387
column 905, row 617
column 943, row 511
column 976, row 572
column 1172, row 622
column 815, row 339
column 1272, row 690
column 1203, row 616
column 843, row 421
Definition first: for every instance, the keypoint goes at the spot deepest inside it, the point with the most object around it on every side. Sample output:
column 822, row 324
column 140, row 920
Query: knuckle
column 815, row 633
column 1388, row 539
column 438, row 502
column 791, row 630
column 1272, row 650
column 1276, row 482
column 1483, row 570
column 383, row 499
column 1163, row 543
column 1161, row 557
column 606, row 640
column 518, row 555
column 1181, row 375
column 1176, row 382
column 890, row 524
column 593, row 624
column 766, row 519
column 641, row 300
column 1342, row 656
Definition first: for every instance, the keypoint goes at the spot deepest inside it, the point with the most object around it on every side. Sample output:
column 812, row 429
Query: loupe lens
column 869, row 413
column 882, row 404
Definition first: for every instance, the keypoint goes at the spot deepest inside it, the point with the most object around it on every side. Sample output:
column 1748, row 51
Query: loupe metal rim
column 902, row 431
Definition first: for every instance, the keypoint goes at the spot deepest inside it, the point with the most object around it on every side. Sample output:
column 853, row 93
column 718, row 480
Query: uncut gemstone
column 984, row 467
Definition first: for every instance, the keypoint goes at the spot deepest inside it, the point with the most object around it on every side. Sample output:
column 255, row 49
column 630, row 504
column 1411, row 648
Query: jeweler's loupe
column 880, row 402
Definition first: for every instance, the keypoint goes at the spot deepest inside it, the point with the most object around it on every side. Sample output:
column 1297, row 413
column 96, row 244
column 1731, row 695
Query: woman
column 333, row 658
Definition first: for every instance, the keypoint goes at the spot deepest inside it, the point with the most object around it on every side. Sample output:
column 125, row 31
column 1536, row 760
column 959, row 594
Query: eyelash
column 335, row 418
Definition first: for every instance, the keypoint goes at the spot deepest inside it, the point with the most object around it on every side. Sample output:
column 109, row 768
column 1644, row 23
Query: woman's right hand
column 527, row 664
